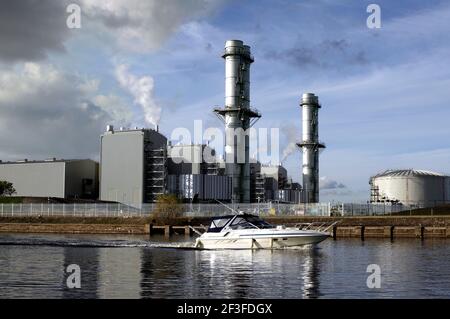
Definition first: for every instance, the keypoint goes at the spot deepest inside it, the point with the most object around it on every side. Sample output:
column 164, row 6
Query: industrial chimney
column 310, row 146
column 238, row 117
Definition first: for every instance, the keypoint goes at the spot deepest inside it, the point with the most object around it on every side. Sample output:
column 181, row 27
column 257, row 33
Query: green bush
column 167, row 207
column 10, row 200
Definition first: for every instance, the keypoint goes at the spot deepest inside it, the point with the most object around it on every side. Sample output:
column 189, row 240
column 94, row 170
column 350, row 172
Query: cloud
column 116, row 107
column 30, row 30
column 45, row 112
column 141, row 88
column 332, row 190
column 325, row 184
column 143, row 26
column 325, row 54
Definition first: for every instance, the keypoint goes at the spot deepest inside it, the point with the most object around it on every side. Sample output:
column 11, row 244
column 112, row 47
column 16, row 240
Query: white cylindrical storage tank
column 410, row 187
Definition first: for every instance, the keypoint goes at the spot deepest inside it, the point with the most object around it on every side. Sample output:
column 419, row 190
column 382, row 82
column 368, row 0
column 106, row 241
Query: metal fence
column 202, row 210
column 145, row 210
column 355, row 209
column 378, row 209
column 262, row 209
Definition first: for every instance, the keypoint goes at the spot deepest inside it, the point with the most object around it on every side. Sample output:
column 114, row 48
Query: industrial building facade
column 137, row 165
column 52, row 178
column 133, row 165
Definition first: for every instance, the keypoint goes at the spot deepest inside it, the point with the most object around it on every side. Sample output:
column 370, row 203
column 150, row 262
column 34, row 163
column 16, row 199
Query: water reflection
column 334, row 269
column 88, row 260
column 311, row 273
column 231, row 274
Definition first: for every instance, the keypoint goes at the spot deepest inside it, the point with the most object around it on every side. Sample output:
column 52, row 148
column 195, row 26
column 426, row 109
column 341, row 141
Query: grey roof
column 407, row 172
column 50, row 160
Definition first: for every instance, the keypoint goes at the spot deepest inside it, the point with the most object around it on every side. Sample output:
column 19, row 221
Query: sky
column 384, row 92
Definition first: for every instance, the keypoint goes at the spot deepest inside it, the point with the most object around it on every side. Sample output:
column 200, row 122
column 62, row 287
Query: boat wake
column 93, row 243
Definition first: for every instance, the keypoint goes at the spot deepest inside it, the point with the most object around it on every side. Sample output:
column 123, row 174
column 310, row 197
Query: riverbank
column 363, row 227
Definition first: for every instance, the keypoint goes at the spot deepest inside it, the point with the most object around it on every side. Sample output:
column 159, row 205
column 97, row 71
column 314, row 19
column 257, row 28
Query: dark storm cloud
column 45, row 112
column 30, row 29
column 326, row 54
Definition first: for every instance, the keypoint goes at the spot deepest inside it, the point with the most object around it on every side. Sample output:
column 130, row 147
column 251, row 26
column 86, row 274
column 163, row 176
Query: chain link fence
column 203, row 210
column 386, row 209
column 145, row 210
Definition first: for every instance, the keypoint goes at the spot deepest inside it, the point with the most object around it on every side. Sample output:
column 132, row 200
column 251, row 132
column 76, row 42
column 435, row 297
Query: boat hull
column 259, row 242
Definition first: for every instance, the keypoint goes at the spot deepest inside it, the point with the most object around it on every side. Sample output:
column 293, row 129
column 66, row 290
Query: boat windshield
column 245, row 221
column 218, row 223
column 249, row 221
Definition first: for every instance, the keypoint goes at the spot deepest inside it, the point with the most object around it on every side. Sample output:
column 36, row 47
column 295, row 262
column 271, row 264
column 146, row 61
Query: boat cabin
column 241, row 221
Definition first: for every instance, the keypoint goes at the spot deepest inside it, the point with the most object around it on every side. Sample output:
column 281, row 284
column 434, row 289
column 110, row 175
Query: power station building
column 137, row 165
column 195, row 174
column 52, row 178
column 133, row 165
column 410, row 187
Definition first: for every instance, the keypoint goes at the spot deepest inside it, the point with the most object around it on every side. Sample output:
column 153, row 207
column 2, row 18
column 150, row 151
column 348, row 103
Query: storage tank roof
column 407, row 172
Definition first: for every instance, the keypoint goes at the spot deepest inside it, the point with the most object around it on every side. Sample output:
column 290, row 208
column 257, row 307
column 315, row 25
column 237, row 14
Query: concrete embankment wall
column 363, row 227
column 72, row 228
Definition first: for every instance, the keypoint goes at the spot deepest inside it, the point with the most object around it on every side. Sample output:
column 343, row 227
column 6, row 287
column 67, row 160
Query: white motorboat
column 247, row 231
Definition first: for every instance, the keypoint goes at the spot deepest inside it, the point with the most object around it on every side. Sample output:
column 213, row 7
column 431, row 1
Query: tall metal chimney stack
column 310, row 146
column 238, row 117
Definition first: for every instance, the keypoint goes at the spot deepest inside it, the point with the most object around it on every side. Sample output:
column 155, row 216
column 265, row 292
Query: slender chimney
column 310, row 146
column 237, row 116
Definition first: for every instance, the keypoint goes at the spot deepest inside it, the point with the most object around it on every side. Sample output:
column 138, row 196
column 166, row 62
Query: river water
column 34, row 266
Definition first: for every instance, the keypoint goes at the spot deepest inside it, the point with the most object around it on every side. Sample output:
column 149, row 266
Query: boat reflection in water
column 287, row 273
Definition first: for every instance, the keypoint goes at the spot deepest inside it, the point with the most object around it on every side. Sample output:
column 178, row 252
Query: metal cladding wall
column 53, row 178
column 278, row 172
column 121, row 167
column 217, row 187
column 122, row 163
column 206, row 187
column 35, row 179
column 78, row 174
column 271, row 188
column 289, row 195
column 189, row 159
column 411, row 187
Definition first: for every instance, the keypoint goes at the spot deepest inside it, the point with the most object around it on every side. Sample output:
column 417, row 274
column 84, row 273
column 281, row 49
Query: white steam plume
column 291, row 134
column 141, row 88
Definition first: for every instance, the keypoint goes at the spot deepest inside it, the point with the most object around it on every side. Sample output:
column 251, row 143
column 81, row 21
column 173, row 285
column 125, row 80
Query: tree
column 6, row 188
column 167, row 207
